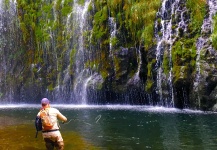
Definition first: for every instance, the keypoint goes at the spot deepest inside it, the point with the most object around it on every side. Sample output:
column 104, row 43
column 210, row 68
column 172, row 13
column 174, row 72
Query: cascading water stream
column 201, row 43
column 8, row 44
column 113, row 30
column 2, row 65
column 82, row 75
column 165, row 41
column 165, row 38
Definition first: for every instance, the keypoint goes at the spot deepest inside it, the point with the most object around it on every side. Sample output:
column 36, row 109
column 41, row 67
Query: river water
column 112, row 128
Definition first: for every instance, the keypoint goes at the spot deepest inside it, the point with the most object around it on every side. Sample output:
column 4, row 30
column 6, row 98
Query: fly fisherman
column 50, row 126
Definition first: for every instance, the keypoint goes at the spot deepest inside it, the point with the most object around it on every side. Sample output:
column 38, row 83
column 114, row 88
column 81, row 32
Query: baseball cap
column 45, row 101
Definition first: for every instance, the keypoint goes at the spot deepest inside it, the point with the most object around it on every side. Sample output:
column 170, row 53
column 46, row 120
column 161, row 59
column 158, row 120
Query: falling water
column 113, row 30
column 165, row 38
column 201, row 42
column 165, row 41
column 2, row 28
column 82, row 75
column 7, row 19
column 8, row 29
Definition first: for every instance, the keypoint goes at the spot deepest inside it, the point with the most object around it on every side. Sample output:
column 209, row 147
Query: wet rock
column 214, row 108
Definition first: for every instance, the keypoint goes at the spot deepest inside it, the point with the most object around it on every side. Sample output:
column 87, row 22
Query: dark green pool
column 114, row 128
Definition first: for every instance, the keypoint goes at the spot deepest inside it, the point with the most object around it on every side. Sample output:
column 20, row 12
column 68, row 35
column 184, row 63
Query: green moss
column 72, row 56
column 182, row 74
column 114, row 41
column 136, row 18
column 99, row 23
column 104, row 73
column 81, row 2
column 149, row 67
column 184, row 58
column 166, row 65
column 214, row 34
column 197, row 12
column 183, row 52
column 140, row 18
column 149, row 82
column 149, row 85
column 184, row 49
column 135, row 26
column 66, row 10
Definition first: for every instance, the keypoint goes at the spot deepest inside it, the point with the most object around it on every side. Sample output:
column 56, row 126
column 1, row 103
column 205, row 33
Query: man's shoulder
column 54, row 109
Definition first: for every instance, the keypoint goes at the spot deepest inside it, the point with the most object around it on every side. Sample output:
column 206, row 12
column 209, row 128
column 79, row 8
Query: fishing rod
column 76, row 120
column 38, row 124
column 96, row 120
column 67, row 121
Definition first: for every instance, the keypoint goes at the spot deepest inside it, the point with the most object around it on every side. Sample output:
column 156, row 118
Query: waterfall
column 7, row 19
column 8, row 46
column 82, row 75
column 60, row 50
column 201, row 44
column 113, row 30
column 166, row 36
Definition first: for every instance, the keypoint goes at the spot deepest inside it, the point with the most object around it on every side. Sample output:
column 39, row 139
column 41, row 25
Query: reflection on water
column 113, row 128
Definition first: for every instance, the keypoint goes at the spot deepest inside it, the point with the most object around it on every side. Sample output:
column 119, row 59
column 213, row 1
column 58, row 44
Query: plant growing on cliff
column 135, row 27
column 184, row 49
column 42, row 24
column 214, row 34
column 197, row 10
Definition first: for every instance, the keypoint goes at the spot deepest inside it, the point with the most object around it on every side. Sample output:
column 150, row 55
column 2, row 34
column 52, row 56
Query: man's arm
column 61, row 117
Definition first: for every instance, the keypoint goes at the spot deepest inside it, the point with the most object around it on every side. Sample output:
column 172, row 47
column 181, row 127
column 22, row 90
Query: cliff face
column 109, row 52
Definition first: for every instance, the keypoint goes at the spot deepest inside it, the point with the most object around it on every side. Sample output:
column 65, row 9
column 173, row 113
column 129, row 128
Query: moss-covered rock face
column 118, row 62
column 178, row 56
column 41, row 51
column 205, row 81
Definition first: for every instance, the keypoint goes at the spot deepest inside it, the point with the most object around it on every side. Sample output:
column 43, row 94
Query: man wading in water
column 50, row 126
